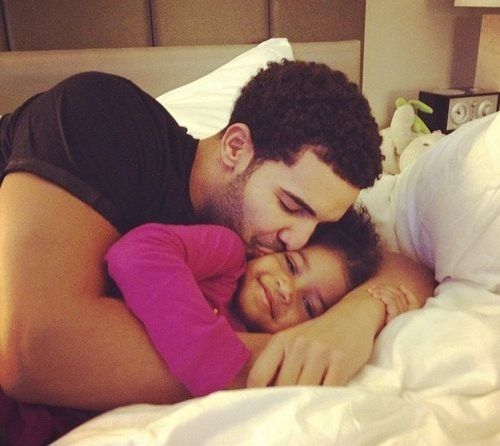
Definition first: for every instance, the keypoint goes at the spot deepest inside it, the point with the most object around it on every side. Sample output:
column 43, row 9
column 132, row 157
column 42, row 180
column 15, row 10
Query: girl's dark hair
column 353, row 236
column 292, row 104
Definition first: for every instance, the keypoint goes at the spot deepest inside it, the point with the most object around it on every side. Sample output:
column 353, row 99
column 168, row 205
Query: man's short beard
column 226, row 207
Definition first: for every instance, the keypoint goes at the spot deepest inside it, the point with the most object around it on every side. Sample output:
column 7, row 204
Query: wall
column 412, row 45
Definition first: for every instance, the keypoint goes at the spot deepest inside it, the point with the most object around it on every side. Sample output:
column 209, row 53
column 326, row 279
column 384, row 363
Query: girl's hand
column 397, row 300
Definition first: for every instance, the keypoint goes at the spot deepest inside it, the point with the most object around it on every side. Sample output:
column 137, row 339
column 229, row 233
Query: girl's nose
column 285, row 290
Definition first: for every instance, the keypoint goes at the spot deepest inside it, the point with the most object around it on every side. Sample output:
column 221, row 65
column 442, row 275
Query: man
column 95, row 156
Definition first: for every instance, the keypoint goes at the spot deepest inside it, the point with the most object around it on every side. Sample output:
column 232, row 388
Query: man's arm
column 61, row 341
column 330, row 349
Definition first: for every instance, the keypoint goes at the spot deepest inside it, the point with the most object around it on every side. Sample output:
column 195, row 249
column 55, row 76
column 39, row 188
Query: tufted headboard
column 161, row 44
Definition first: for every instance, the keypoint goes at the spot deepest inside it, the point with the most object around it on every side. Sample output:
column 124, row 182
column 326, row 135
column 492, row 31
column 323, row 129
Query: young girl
column 188, row 286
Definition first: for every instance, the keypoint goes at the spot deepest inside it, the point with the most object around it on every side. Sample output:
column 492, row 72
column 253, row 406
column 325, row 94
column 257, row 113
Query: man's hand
column 326, row 351
column 332, row 348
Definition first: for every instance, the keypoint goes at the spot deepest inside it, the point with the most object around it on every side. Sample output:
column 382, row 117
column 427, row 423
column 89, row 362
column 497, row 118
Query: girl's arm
column 158, row 269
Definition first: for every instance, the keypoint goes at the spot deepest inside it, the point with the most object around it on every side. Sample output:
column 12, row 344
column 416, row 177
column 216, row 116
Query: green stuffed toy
column 406, row 126
column 418, row 126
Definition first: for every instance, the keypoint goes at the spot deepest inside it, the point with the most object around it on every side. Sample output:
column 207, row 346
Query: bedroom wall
column 417, row 44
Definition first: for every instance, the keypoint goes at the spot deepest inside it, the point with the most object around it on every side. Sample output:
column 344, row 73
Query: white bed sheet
column 433, row 380
column 434, row 376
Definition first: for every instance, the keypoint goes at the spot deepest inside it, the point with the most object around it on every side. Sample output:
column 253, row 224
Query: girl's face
column 283, row 289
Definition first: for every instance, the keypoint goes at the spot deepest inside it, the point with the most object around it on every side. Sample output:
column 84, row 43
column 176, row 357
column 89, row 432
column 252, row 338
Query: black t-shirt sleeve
column 104, row 140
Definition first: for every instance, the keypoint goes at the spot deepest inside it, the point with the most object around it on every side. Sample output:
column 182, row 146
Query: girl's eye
column 309, row 308
column 290, row 265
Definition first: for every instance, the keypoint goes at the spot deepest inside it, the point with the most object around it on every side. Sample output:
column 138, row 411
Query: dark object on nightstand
column 456, row 106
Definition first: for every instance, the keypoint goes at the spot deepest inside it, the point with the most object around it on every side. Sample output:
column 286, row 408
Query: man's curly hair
column 354, row 236
column 292, row 103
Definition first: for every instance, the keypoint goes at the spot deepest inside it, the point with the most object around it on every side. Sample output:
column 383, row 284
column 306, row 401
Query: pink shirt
column 179, row 281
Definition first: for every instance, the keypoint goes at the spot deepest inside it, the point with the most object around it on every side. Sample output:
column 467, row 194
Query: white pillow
column 204, row 105
column 444, row 210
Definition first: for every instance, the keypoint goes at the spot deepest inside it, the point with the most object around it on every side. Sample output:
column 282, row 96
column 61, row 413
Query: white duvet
column 434, row 376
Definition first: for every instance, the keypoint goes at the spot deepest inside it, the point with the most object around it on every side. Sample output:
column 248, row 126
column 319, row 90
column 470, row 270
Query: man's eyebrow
column 300, row 202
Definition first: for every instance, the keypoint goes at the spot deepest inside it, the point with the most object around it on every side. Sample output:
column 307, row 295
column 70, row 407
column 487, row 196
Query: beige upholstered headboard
column 161, row 44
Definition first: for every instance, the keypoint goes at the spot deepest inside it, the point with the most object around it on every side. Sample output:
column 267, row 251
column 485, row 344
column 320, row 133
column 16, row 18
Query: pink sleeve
column 156, row 268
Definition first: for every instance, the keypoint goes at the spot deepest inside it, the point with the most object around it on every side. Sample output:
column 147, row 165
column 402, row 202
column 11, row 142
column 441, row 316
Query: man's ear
column 236, row 149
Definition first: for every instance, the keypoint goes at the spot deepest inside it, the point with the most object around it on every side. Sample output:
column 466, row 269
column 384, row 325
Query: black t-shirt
column 109, row 144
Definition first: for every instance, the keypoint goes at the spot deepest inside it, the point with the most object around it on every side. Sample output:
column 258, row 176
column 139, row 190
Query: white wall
column 412, row 45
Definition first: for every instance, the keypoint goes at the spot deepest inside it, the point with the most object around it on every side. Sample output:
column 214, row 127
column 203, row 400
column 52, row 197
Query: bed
column 434, row 376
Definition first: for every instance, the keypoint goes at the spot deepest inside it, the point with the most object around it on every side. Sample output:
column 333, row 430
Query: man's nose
column 296, row 236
